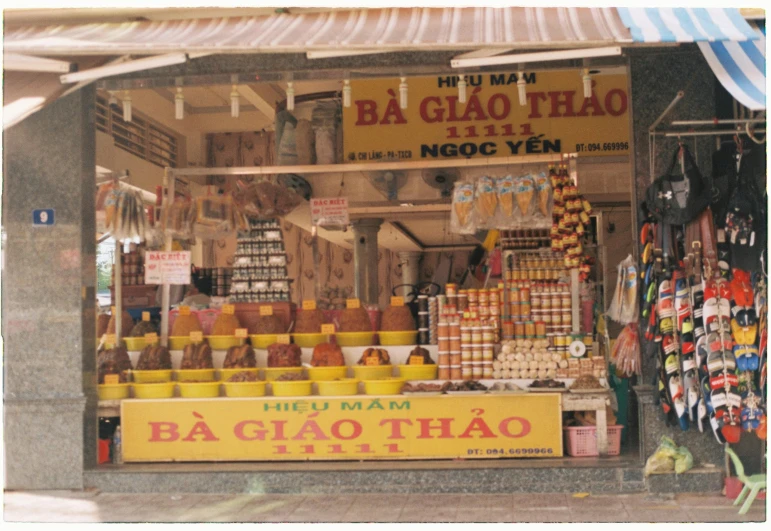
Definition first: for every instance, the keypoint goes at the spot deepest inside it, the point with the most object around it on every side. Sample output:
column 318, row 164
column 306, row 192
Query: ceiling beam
column 259, row 101
column 484, row 52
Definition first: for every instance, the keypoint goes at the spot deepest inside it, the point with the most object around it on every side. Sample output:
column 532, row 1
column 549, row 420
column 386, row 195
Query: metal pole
column 678, row 97
column 168, row 185
column 710, row 133
column 716, row 122
column 118, row 292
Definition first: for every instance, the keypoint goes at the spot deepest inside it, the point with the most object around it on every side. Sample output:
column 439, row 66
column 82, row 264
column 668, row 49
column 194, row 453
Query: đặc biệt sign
column 556, row 118
column 339, row 428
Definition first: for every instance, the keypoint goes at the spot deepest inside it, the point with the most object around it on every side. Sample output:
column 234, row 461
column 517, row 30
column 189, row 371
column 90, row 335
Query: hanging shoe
column 744, row 335
column 682, row 302
column 665, row 301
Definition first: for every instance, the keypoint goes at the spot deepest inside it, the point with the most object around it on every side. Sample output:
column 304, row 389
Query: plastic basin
column 271, row 373
column 179, row 342
column 135, row 343
column 342, row 387
column 309, row 340
column 292, row 388
column 154, row 390
column 355, row 339
column 117, row 391
column 262, row 341
column 244, row 389
column 372, row 372
column 408, row 337
column 388, row 386
column 418, row 372
column 151, row 376
column 224, row 374
column 327, row 373
column 203, row 375
column 199, row 389
column 224, row 342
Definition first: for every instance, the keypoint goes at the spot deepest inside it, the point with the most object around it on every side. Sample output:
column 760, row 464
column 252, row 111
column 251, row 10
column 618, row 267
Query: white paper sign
column 167, row 266
column 329, row 211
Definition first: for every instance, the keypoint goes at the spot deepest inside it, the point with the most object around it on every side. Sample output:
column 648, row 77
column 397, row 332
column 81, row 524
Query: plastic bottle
column 117, row 448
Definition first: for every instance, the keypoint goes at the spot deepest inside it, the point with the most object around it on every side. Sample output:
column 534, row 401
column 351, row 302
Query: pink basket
column 206, row 317
column 581, row 441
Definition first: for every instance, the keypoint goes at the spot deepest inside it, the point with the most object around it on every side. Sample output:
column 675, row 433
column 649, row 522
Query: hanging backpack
column 676, row 199
column 745, row 218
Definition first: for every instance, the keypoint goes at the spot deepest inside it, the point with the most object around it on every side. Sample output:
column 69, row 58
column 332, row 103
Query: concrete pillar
column 410, row 272
column 49, row 278
column 365, row 259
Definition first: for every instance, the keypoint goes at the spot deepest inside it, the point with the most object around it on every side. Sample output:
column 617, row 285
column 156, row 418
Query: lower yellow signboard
column 339, row 428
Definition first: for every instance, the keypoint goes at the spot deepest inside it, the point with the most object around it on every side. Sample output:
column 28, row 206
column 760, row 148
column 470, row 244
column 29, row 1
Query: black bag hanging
column 745, row 218
column 724, row 175
column 677, row 199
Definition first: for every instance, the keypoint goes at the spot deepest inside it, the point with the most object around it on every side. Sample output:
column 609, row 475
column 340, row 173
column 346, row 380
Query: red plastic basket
column 581, row 441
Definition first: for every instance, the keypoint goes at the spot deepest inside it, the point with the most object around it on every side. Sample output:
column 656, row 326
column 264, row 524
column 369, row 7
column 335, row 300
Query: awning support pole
column 168, row 185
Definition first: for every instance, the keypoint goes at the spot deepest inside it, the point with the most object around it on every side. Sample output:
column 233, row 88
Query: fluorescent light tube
column 533, row 57
column 147, row 63
column 27, row 63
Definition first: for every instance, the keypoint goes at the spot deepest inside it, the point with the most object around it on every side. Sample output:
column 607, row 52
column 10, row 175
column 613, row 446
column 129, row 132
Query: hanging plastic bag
column 626, row 351
column 623, row 308
column 544, row 202
column 663, row 459
column 683, row 460
column 214, row 217
column 505, row 189
column 265, row 200
column 524, row 193
column 125, row 218
column 177, row 219
column 462, row 215
column 486, row 202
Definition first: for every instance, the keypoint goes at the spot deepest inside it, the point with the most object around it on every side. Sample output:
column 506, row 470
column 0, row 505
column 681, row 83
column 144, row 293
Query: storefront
column 481, row 365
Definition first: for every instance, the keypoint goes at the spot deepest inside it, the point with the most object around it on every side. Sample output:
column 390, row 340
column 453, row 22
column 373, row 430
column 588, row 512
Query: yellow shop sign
column 555, row 117
column 336, row 428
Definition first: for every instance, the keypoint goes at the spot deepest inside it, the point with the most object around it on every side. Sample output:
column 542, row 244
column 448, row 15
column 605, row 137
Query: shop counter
column 358, row 427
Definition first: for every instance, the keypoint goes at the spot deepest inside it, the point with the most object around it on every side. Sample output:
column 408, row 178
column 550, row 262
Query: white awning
column 394, row 29
column 655, row 24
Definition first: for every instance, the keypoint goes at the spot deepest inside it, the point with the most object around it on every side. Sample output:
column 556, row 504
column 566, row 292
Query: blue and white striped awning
column 741, row 68
column 654, row 24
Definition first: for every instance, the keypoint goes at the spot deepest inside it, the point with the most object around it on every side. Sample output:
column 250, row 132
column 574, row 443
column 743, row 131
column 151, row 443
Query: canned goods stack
column 423, row 321
column 443, row 357
column 543, row 266
column 456, row 367
column 433, row 320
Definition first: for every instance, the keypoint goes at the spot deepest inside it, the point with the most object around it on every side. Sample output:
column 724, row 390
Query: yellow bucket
column 201, row 375
column 224, row 374
column 327, row 373
column 292, row 388
column 154, row 390
column 355, row 339
column 309, row 340
column 271, row 373
column 418, row 372
column 199, row 389
column 179, row 342
column 151, row 376
column 407, row 337
column 343, row 387
column 113, row 391
column 263, row 341
column 135, row 343
column 389, row 386
column 372, row 372
column 224, row 342
column 244, row 389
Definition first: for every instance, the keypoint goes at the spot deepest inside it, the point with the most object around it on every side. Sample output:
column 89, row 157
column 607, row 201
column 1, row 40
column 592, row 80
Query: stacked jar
column 443, row 357
column 467, row 348
column 455, row 348
column 433, row 319
column 424, row 337
column 488, row 344
column 551, row 303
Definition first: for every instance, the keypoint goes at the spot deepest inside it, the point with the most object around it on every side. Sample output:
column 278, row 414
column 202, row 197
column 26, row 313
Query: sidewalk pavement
column 94, row 506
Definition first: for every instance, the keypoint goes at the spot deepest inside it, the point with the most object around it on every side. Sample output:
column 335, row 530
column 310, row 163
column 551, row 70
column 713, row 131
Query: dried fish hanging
column 125, row 218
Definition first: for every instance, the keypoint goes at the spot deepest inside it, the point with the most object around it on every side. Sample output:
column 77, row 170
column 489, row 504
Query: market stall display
column 197, row 356
column 154, row 358
column 259, row 269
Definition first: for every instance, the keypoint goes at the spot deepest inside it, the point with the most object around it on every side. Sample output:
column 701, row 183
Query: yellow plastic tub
column 151, row 376
column 224, row 342
column 178, row 342
column 407, row 337
column 309, row 340
column 202, row 375
column 418, row 372
column 327, row 373
column 117, row 391
column 292, row 388
column 355, row 339
column 224, row 374
column 135, row 343
column 388, row 386
column 271, row 373
column 342, row 387
column 154, row 390
column 244, row 389
column 372, row 372
column 263, row 341
column 199, row 389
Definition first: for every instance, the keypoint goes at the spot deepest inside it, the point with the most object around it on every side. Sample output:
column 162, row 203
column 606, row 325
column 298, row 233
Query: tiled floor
column 93, row 506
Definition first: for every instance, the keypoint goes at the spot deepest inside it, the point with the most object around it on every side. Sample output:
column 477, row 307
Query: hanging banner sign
column 167, row 266
column 556, row 118
column 329, row 211
column 336, row 428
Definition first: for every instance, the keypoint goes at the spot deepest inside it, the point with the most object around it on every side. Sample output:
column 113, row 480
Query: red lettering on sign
column 279, row 426
column 337, row 433
column 396, row 427
column 477, row 424
column 562, row 99
column 491, row 107
column 256, row 435
column 534, row 97
column 524, row 424
column 393, row 110
column 157, row 429
column 609, row 102
column 200, row 428
column 310, row 427
column 367, row 112
column 444, row 428
column 437, row 115
column 592, row 103
column 475, row 107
